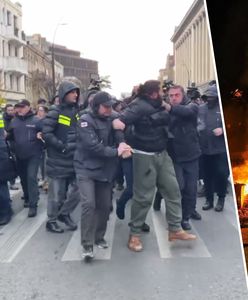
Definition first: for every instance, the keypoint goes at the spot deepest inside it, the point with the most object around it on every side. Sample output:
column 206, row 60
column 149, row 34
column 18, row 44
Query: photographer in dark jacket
column 25, row 132
column 215, row 163
column 95, row 161
column 59, row 133
column 152, row 166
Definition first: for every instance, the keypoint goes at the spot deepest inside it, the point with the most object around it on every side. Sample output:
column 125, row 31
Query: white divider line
column 230, row 213
column 74, row 249
column 15, row 235
column 176, row 248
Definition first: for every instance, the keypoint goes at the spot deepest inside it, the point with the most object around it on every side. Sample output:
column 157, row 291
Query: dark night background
column 229, row 30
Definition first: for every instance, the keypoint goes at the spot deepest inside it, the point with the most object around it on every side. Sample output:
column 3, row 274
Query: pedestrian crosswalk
column 20, row 231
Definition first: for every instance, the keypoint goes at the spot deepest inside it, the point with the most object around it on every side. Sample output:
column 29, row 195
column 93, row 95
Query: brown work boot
column 134, row 243
column 181, row 235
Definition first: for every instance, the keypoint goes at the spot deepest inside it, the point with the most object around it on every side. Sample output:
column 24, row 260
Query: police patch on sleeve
column 84, row 124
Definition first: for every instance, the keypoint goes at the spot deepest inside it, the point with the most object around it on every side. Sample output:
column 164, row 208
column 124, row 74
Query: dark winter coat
column 59, row 133
column 146, row 121
column 184, row 145
column 7, row 169
column 96, row 156
column 7, row 119
column 211, row 144
column 23, row 132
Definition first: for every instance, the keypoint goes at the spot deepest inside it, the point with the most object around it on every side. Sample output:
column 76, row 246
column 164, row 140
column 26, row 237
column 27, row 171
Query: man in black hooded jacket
column 59, row 132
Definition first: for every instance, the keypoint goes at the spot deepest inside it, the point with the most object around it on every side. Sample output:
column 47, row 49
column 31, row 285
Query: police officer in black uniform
column 96, row 160
column 59, row 133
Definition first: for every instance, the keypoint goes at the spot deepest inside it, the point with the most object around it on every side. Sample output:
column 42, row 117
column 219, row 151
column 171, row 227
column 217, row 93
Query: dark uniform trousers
column 63, row 197
column 28, row 170
column 187, row 175
column 216, row 172
column 96, row 203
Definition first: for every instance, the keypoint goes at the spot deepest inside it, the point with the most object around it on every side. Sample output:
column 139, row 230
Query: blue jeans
column 4, row 199
column 127, row 166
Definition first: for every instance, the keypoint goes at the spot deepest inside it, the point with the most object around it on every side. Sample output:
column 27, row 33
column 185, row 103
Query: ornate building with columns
column 194, row 60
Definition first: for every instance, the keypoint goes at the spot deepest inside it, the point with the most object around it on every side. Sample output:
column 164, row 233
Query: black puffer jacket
column 96, row 156
column 59, row 133
column 23, row 135
column 211, row 144
column 7, row 119
column 184, row 145
column 6, row 172
column 146, row 123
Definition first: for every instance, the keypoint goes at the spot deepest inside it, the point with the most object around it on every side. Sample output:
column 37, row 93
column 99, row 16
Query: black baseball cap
column 103, row 98
column 23, row 103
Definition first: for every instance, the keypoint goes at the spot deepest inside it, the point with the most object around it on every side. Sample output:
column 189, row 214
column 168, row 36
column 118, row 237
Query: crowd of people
column 159, row 142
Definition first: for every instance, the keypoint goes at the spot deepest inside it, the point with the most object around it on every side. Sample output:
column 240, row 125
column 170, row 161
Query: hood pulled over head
column 66, row 87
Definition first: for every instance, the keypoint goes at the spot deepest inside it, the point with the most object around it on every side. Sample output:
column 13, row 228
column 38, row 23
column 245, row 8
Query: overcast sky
column 130, row 39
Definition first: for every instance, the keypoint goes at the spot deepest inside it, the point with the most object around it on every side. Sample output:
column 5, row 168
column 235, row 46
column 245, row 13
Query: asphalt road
column 36, row 264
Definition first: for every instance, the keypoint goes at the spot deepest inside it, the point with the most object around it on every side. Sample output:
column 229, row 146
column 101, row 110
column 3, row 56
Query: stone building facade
column 13, row 67
column 194, row 61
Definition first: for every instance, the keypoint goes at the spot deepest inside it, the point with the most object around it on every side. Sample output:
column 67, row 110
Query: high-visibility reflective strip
column 1, row 123
column 64, row 120
column 77, row 117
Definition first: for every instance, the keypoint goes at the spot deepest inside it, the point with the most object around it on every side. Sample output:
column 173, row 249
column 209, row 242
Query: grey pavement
column 35, row 264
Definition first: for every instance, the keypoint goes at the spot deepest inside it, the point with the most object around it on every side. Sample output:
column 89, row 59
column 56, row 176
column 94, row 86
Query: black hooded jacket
column 96, row 156
column 146, row 125
column 184, row 143
column 210, row 143
column 59, row 133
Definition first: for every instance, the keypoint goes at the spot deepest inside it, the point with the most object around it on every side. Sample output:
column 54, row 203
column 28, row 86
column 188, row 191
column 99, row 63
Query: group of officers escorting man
column 157, row 138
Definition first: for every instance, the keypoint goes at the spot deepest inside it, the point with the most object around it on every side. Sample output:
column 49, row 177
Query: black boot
column 5, row 219
column 32, row 212
column 53, row 226
column 185, row 225
column 145, row 227
column 208, row 204
column 66, row 219
column 220, row 204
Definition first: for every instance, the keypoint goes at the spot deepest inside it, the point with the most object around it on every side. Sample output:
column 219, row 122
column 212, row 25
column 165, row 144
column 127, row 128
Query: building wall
column 76, row 66
column 193, row 55
column 168, row 72
column 39, row 78
column 13, row 67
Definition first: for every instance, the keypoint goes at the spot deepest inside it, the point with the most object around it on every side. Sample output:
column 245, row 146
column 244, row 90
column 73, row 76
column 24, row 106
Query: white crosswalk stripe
column 15, row 235
column 21, row 229
column 176, row 248
column 74, row 249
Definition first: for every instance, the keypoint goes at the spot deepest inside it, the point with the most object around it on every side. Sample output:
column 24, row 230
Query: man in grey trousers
column 96, row 161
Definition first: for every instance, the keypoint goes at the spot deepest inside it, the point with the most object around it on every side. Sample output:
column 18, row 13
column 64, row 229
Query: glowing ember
column 240, row 174
column 246, row 189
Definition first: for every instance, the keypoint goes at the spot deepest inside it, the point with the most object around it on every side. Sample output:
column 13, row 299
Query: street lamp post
column 53, row 60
